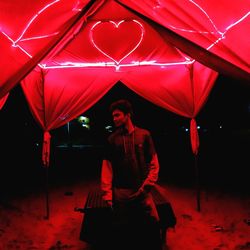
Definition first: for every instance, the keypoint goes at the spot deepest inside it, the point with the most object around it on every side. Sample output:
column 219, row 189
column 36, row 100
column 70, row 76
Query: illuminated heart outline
column 117, row 24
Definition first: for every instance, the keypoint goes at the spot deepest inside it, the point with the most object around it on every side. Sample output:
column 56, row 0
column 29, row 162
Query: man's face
column 119, row 118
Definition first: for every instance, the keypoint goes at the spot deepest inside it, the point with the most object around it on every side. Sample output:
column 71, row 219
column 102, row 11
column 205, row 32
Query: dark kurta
column 130, row 155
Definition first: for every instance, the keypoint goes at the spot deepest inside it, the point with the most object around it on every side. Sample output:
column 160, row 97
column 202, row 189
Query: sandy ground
column 221, row 224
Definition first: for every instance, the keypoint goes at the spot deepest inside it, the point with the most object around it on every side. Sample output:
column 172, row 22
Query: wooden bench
column 97, row 215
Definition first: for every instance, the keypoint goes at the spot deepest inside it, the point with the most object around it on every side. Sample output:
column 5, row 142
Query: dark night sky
column 222, row 150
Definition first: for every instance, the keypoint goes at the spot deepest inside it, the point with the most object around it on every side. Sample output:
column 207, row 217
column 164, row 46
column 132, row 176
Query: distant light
column 220, row 126
column 109, row 128
column 83, row 119
column 86, row 126
column 198, row 127
column 186, row 129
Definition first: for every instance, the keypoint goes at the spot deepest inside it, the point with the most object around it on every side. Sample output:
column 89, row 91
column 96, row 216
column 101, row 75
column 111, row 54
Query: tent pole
column 197, row 183
column 69, row 144
column 47, row 192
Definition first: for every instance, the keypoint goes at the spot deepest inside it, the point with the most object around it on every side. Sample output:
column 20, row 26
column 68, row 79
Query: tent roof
column 206, row 31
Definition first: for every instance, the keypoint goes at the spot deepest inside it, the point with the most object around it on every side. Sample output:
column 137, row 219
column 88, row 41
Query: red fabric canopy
column 27, row 33
column 207, row 31
column 219, row 30
column 159, row 49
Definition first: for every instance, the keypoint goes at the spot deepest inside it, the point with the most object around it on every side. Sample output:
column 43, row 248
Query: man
column 130, row 169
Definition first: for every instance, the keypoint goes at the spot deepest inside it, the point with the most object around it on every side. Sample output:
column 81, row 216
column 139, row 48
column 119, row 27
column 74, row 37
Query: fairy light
column 195, row 31
column 114, row 62
column 205, row 13
column 36, row 37
column 117, row 25
column 217, row 31
column 237, row 22
column 33, row 19
column 17, row 46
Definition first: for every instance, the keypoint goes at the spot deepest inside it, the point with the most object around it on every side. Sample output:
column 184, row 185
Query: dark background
column 223, row 158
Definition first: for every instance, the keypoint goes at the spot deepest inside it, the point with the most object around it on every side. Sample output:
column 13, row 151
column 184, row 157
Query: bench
column 97, row 215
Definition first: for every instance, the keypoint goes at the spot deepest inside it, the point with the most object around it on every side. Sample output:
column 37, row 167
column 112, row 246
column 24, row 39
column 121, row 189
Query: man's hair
column 122, row 105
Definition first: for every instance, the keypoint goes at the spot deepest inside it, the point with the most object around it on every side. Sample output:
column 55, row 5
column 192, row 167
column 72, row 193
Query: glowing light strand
column 17, row 46
column 235, row 23
column 19, row 39
column 218, row 32
column 117, row 24
column 196, row 31
column 37, row 37
column 33, row 19
column 114, row 62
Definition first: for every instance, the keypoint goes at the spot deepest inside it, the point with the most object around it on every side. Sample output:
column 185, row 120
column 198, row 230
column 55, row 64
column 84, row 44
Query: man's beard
column 121, row 127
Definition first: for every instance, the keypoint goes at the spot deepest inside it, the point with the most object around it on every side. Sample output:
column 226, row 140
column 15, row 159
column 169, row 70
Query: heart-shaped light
column 117, row 40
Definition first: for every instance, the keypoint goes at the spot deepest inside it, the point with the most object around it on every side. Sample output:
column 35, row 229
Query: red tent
column 159, row 49
column 69, row 54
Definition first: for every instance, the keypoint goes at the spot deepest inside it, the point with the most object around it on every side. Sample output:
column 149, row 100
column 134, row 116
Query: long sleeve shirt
column 130, row 162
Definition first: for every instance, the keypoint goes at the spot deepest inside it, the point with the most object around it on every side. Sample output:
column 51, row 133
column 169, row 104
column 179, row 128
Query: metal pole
column 47, row 191
column 197, row 183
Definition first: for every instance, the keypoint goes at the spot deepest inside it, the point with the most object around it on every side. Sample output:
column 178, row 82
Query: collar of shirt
column 124, row 131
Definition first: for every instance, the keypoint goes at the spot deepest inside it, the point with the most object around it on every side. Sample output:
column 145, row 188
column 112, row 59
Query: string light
column 114, row 62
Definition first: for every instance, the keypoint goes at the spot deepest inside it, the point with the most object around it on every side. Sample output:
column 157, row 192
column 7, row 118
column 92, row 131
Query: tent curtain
column 46, row 148
column 86, row 64
column 55, row 97
column 179, row 90
column 194, row 136
column 78, row 62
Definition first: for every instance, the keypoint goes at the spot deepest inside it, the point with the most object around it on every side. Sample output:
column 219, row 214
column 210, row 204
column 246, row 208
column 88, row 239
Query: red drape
column 215, row 35
column 153, row 47
column 28, row 32
column 56, row 97
column 175, row 90
column 181, row 91
column 205, row 30
column 219, row 30
column 114, row 44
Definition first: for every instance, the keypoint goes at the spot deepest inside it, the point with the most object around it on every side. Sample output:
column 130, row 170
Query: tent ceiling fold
column 219, row 31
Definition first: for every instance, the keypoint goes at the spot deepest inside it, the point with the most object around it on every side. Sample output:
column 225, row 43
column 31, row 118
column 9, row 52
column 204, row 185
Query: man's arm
column 106, row 181
column 152, row 175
